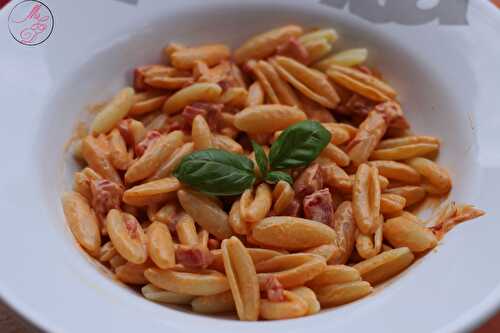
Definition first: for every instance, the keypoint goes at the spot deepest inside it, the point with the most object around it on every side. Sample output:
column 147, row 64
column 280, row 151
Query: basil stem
column 275, row 176
column 260, row 158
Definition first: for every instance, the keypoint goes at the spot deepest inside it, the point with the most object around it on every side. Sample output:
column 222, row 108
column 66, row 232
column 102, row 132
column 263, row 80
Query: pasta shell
column 242, row 278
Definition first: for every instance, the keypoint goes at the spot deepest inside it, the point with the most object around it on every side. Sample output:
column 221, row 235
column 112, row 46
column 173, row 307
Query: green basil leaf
column 216, row 172
column 260, row 158
column 275, row 176
column 298, row 145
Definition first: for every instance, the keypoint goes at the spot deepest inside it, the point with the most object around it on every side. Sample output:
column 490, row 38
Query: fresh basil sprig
column 216, row 172
column 298, row 145
column 219, row 172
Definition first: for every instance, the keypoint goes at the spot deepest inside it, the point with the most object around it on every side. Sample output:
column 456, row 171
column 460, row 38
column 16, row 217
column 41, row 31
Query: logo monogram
column 31, row 22
column 407, row 12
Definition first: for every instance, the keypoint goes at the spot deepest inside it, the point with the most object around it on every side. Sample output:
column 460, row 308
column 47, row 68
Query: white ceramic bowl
column 448, row 77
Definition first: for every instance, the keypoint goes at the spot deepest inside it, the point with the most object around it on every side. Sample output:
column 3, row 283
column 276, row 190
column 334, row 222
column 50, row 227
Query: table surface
column 10, row 322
